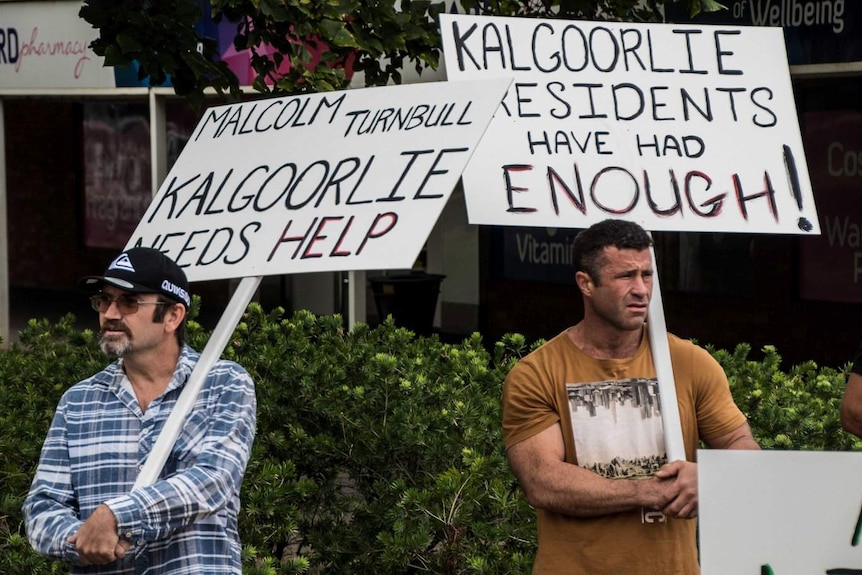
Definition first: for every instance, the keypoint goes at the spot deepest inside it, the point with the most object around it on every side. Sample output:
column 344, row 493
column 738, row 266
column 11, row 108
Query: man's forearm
column 740, row 438
column 49, row 525
column 569, row 489
column 851, row 405
column 743, row 443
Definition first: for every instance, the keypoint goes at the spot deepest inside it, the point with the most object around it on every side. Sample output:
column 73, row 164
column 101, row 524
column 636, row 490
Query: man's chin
column 633, row 324
column 113, row 346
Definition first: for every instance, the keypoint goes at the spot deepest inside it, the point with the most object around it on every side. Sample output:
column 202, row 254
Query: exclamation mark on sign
column 795, row 188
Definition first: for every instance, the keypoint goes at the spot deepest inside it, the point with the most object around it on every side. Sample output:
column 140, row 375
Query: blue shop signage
column 816, row 31
column 533, row 254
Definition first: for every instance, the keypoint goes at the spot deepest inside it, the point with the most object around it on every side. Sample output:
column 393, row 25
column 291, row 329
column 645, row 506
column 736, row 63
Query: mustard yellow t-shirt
column 610, row 415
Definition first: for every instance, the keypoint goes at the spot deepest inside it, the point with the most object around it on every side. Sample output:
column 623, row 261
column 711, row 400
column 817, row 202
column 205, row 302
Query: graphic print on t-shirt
column 617, row 427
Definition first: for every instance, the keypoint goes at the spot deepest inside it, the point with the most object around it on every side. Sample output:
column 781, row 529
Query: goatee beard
column 113, row 345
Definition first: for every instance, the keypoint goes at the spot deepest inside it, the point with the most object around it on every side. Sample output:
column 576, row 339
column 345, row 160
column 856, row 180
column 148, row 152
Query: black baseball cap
column 142, row 270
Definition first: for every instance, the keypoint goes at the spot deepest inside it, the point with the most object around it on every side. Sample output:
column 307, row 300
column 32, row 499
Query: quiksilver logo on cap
column 176, row 290
column 122, row 263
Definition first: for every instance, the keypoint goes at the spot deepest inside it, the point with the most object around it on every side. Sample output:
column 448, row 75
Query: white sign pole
column 209, row 356
column 664, row 371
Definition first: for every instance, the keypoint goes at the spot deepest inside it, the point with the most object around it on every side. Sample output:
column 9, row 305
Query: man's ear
column 175, row 316
column 585, row 283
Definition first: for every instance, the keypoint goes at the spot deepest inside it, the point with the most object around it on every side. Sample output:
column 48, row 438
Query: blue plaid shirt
column 185, row 522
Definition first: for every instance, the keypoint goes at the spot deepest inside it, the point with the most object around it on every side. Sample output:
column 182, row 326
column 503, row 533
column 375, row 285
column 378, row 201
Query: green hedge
column 377, row 451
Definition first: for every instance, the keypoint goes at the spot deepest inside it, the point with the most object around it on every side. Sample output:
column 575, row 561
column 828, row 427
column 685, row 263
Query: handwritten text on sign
column 677, row 127
column 336, row 181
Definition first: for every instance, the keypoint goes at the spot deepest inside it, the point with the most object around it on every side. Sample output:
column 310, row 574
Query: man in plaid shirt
column 81, row 507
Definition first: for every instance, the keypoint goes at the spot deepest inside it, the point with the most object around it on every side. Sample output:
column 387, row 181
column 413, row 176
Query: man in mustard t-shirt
column 851, row 403
column 583, row 432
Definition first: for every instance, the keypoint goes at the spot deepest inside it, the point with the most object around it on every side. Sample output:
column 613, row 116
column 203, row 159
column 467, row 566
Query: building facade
column 86, row 146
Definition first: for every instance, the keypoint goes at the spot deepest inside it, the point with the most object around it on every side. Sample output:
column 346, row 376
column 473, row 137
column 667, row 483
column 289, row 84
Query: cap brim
column 92, row 284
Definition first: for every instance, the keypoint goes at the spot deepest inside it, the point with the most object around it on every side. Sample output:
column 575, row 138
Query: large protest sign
column 780, row 512
column 334, row 181
column 348, row 180
column 676, row 127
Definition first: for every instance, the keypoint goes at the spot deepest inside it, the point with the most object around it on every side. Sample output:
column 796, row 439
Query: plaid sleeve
column 209, row 456
column 50, row 509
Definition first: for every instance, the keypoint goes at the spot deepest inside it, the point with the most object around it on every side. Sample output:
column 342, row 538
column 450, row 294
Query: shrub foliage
column 377, row 451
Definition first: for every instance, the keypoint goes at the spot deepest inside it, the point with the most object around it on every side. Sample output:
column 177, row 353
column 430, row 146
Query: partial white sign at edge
column 780, row 512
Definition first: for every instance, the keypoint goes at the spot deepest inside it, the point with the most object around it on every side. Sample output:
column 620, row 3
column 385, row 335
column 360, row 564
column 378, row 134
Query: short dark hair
column 159, row 317
column 589, row 244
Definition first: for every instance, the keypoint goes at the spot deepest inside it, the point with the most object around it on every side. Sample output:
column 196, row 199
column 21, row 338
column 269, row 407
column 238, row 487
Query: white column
column 356, row 298
column 4, row 238
column 314, row 292
column 158, row 141
column 435, row 252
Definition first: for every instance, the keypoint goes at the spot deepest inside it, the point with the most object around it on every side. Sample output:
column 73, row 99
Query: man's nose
column 642, row 285
column 113, row 311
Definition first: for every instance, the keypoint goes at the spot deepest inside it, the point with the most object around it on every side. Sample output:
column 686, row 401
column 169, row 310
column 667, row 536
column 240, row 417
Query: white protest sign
column 780, row 512
column 347, row 180
column 676, row 127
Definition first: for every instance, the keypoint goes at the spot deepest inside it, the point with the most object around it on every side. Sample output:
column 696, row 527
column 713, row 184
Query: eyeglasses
column 126, row 304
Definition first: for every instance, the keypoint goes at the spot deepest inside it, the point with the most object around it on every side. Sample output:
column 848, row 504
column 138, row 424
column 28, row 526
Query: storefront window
column 117, row 176
column 706, row 263
column 830, row 265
